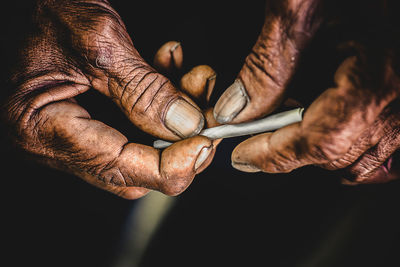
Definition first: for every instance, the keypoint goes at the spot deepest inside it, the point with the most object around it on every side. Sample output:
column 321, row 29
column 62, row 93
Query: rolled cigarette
column 266, row 124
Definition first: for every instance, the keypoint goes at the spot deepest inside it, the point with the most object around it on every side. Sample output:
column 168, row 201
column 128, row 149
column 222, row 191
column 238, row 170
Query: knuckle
column 27, row 133
column 338, row 164
column 327, row 148
column 104, row 39
column 173, row 186
column 263, row 64
column 281, row 163
column 142, row 91
column 112, row 176
column 111, row 171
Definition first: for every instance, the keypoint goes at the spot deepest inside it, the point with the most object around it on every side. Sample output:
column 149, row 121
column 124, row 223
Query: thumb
column 153, row 103
column 267, row 70
column 148, row 99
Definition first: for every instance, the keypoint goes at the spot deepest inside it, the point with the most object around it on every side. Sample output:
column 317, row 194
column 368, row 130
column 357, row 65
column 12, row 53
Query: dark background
column 305, row 218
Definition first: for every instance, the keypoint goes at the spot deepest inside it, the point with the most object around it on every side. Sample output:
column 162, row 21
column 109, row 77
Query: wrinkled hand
column 352, row 127
column 76, row 46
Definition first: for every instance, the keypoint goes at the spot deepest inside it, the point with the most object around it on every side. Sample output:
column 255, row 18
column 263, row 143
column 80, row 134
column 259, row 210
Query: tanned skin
column 78, row 45
column 353, row 126
column 81, row 45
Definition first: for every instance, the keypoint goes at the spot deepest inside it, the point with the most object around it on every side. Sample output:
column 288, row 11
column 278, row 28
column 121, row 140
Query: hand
column 352, row 127
column 76, row 46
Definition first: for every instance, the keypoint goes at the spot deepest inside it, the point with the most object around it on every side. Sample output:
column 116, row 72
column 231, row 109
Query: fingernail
column 176, row 55
column 203, row 155
column 231, row 102
column 210, row 86
column 175, row 46
column 245, row 167
column 183, row 119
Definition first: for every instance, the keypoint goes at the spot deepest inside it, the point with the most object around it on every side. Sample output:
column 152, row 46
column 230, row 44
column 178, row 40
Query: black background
column 305, row 218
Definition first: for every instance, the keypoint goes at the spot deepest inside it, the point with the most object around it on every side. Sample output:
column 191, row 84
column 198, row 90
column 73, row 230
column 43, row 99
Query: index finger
column 261, row 84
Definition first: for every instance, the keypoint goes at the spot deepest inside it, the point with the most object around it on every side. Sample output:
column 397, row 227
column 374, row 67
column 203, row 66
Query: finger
column 375, row 165
column 169, row 57
column 261, row 84
column 130, row 193
column 199, row 82
column 330, row 126
column 146, row 97
column 68, row 139
column 368, row 139
column 381, row 174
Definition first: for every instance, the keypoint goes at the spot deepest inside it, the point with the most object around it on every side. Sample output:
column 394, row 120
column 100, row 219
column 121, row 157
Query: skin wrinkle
column 147, row 86
column 155, row 95
column 112, row 165
column 29, row 111
column 66, row 55
column 120, row 181
column 41, row 100
column 63, row 40
column 251, row 61
column 344, row 127
column 293, row 26
column 125, row 87
column 368, row 139
column 281, row 160
column 134, row 88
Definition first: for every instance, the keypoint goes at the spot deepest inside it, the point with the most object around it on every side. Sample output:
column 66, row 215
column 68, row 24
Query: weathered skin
column 83, row 45
column 352, row 127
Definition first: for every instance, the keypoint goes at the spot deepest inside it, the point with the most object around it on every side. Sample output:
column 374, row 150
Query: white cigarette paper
column 266, row 124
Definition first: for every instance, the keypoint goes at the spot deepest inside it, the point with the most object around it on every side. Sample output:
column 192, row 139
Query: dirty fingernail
column 175, row 46
column 245, row 167
column 210, row 86
column 176, row 55
column 231, row 102
column 203, row 155
column 183, row 119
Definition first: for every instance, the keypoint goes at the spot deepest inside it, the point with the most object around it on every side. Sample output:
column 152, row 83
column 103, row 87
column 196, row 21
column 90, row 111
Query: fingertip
column 193, row 151
column 183, row 119
column 182, row 160
column 169, row 57
column 199, row 82
column 249, row 155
